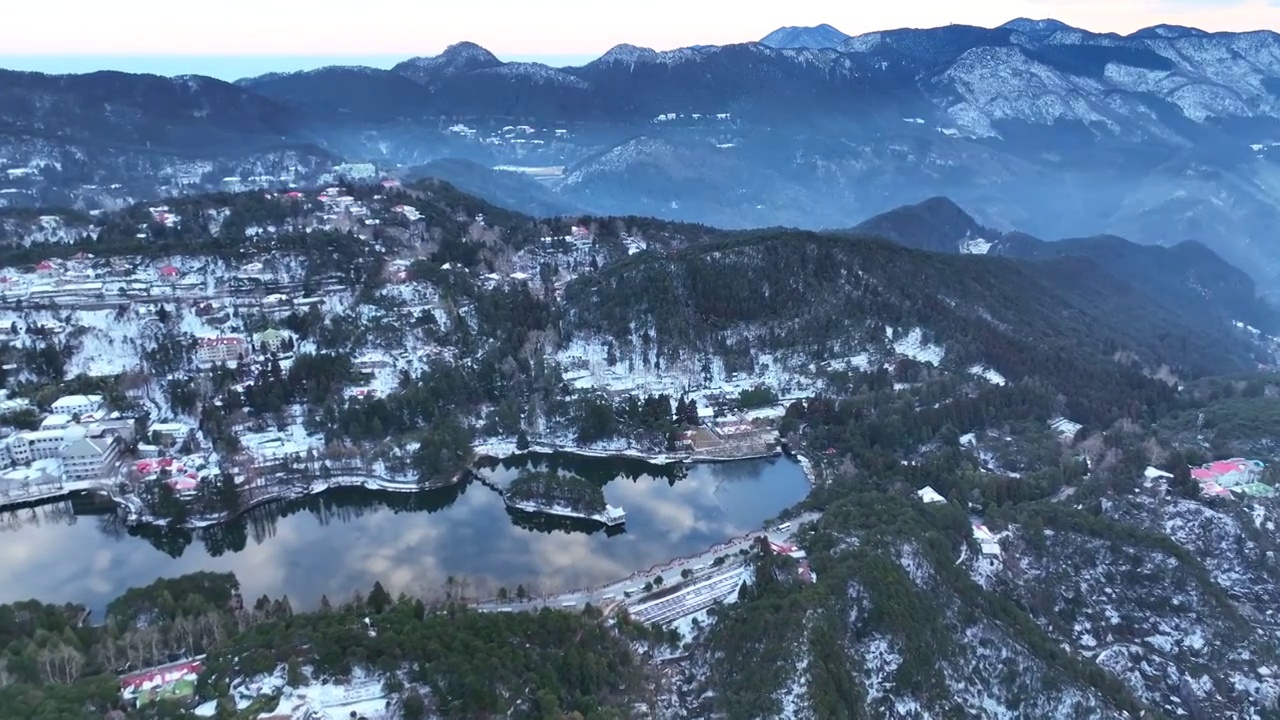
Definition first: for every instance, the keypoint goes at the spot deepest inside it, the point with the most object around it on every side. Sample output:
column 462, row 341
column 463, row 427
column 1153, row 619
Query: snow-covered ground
column 361, row 695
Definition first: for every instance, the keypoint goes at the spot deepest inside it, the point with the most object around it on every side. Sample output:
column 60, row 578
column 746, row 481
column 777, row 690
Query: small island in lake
column 556, row 494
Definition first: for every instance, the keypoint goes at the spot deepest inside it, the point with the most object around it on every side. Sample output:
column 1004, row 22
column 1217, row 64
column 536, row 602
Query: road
column 614, row 593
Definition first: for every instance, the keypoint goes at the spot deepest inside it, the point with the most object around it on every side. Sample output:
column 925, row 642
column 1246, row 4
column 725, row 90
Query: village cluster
column 79, row 445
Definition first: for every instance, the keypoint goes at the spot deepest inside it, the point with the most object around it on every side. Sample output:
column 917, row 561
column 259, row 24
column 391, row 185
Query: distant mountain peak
column 468, row 50
column 458, row 58
column 1029, row 26
column 1165, row 30
column 937, row 224
column 628, row 53
column 818, row 37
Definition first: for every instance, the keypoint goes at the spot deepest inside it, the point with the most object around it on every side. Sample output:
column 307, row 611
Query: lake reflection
column 344, row 540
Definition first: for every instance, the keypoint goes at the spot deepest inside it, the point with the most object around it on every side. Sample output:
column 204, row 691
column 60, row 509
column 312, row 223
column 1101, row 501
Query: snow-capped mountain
column 817, row 37
column 1165, row 135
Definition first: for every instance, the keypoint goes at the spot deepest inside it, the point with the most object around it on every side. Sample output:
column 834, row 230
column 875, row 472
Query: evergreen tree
column 1182, row 484
column 379, row 599
column 691, row 412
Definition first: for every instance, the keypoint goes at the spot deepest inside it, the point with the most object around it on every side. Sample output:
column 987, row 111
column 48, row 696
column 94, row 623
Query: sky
column 237, row 38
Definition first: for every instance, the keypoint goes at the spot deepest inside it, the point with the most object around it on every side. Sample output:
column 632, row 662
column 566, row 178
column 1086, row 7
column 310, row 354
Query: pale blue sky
column 234, row 38
column 230, row 67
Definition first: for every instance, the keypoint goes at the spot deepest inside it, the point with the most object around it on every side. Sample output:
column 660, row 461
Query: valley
column 335, row 389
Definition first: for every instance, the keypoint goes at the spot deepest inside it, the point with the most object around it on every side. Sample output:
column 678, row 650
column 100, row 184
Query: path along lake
column 342, row 541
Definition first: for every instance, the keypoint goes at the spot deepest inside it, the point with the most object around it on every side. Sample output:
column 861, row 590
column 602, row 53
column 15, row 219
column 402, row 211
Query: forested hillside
column 826, row 297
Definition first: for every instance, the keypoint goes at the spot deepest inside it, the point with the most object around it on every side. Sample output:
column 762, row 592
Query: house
column 929, row 496
column 170, row 434
column 225, row 348
column 169, row 273
column 77, row 404
column 986, row 540
column 1229, row 473
column 85, row 457
column 270, row 340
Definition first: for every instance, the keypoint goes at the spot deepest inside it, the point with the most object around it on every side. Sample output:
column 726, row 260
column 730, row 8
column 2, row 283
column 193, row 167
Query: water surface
column 342, row 541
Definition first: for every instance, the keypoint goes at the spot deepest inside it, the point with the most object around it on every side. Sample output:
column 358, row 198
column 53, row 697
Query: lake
column 342, row 541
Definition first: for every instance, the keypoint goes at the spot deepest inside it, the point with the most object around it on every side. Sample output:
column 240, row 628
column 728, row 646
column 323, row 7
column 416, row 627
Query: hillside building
column 227, row 348
column 84, row 458
column 77, row 405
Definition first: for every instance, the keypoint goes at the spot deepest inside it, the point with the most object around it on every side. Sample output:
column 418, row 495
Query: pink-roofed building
column 229, row 348
column 1228, row 473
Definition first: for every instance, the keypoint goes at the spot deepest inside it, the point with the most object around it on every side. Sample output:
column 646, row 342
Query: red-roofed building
column 46, row 268
column 228, row 348
column 1228, row 473
column 169, row 272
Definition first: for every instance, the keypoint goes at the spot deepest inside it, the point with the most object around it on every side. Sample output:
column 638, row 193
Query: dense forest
column 548, row 487
column 441, row 658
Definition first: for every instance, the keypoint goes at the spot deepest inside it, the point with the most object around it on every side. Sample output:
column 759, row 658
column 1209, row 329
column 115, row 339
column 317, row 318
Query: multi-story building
column 84, row 458
column 270, row 341
column 77, row 404
column 28, row 447
column 227, row 348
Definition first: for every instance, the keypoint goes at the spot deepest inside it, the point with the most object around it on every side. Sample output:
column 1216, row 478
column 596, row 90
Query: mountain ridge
column 1133, row 133
column 1190, row 275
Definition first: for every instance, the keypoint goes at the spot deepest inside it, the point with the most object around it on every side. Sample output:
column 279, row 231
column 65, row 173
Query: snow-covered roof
column 929, row 496
column 56, row 420
column 75, row 401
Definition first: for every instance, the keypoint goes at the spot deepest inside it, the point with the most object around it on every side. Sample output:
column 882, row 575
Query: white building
column 929, row 496
column 85, row 457
column 77, row 404
column 56, row 422
column 27, row 447
column 229, row 348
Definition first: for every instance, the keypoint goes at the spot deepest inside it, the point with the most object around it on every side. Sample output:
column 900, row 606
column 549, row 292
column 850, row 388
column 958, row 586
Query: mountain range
column 1162, row 136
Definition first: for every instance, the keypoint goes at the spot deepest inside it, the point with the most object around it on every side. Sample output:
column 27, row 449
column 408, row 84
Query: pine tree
column 1182, row 484
column 691, row 413
column 379, row 598
column 522, row 441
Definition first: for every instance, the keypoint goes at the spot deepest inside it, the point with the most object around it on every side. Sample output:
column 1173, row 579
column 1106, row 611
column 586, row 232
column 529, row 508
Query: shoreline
column 558, row 511
column 502, row 450
column 313, row 484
